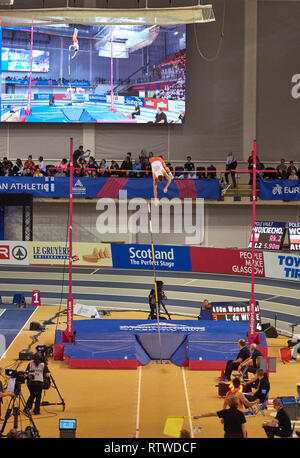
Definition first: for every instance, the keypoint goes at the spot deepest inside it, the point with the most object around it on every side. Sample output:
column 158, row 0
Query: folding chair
column 245, row 365
column 293, row 429
column 261, row 408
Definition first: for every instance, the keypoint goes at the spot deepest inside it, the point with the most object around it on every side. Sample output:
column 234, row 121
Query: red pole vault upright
column 253, row 337
column 28, row 110
column 68, row 334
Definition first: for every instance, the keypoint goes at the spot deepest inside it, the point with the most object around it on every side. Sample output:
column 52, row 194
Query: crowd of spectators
column 87, row 166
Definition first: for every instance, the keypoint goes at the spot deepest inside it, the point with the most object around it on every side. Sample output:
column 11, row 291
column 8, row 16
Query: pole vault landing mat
column 127, row 344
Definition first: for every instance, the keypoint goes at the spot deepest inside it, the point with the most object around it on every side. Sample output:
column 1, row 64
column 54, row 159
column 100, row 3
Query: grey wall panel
column 278, row 60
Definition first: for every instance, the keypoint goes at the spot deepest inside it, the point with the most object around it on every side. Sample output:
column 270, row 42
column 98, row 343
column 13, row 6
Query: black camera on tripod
column 20, row 376
column 45, row 351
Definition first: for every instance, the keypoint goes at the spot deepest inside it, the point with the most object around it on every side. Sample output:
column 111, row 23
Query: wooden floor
column 128, row 404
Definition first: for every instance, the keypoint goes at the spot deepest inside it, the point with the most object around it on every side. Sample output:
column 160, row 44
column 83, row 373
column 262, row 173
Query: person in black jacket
column 281, row 425
column 231, row 365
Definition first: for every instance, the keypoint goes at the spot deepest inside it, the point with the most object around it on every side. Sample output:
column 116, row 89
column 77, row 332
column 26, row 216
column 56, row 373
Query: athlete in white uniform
column 159, row 172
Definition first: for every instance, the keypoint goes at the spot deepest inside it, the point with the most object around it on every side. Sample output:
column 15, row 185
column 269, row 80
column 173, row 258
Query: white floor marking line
column 137, row 429
column 189, row 282
column 270, row 298
column 2, row 311
column 187, row 402
column 30, row 318
column 95, row 271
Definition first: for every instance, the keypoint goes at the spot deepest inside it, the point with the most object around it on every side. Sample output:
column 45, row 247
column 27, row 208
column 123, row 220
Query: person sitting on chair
column 281, row 425
column 255, row 357
column 243, row 401
column 262, row 384
column 231, row 365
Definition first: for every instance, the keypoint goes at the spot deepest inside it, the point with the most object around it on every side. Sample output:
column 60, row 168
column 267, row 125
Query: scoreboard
column 269, row 235
column 294, row 236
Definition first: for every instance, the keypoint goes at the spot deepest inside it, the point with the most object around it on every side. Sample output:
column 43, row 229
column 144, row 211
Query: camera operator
column 160, row 297
column 4, row 394
column 37, row 371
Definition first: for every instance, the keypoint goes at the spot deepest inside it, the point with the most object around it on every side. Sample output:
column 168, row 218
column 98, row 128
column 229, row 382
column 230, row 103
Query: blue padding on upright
column 181, row 354
column 141, row 355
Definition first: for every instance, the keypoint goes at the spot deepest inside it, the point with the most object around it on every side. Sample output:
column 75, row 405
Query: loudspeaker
column 34, row 326
column 271, row 332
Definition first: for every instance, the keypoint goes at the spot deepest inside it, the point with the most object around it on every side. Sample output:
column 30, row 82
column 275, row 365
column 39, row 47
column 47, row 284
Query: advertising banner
column 140, row 257
column 83, row 254
column 14, row 253
column 294, row 236
column 108, row 187
column 279, row 190
column 282, row 266
column 134, row 100
column 154, row 103
column 235, row 311
column 226, row 261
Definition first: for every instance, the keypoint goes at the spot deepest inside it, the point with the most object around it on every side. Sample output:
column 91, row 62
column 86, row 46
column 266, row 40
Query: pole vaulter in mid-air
column 159, row 172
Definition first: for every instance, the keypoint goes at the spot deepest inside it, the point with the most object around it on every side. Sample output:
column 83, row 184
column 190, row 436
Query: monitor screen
column 19, row 60
column 294, row 236
column 94, row 74
column 66, row 423
column 269, row 235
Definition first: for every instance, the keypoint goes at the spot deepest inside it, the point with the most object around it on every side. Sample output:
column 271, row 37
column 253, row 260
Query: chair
column 245, row 365
column 212, row 173
column 293, row 429
column 201, row 172
column 261, row 408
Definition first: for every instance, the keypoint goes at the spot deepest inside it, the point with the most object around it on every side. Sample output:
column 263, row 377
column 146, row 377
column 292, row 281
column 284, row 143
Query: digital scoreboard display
column 269, row 235
column 294, row 236
column 235, row 311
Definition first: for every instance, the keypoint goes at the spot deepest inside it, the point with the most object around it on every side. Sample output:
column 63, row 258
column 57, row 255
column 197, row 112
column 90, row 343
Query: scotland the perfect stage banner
column 279, row 190
column 109, row 187
column 140, row 257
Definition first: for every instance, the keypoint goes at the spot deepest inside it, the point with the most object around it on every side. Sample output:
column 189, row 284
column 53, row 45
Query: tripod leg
column 28, row 414
column 166, row 311
column 60, row 396
column 7, row 415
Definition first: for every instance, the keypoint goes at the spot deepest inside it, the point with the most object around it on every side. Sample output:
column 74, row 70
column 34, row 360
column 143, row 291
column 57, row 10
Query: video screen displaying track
column 93, row 74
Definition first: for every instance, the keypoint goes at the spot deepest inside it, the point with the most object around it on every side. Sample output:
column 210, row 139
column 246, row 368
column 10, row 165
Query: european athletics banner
column 109, row 187
column 279, row 190
column 167, row 257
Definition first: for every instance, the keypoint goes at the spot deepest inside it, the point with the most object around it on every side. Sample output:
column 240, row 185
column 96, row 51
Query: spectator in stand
column 78, row 155
column 42, row 165
column 142, row 158
column 103, row 169
column 7, row 164
column 282, row 170
column 29, row 164
column 7, row 172
column 127, row 166
column 37, row 172
column 114, row 166
column 150, row 156
column 250, row 165
column 231, row 164
column 189, row 166
column 136, row 167
column 147, row 168
column 28, row 172
column 92, row 164
column 293, row 176
column 62, row 166
column 290, row 168
column 160, row 117
column 18, row 168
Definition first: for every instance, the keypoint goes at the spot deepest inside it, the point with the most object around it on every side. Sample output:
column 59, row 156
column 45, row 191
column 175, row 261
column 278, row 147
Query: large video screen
column 94, row 74
column 20, row 59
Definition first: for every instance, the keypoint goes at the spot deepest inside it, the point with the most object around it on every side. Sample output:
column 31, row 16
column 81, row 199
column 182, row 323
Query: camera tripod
column 152, row 314
column 15, row 408
column 46, row 403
